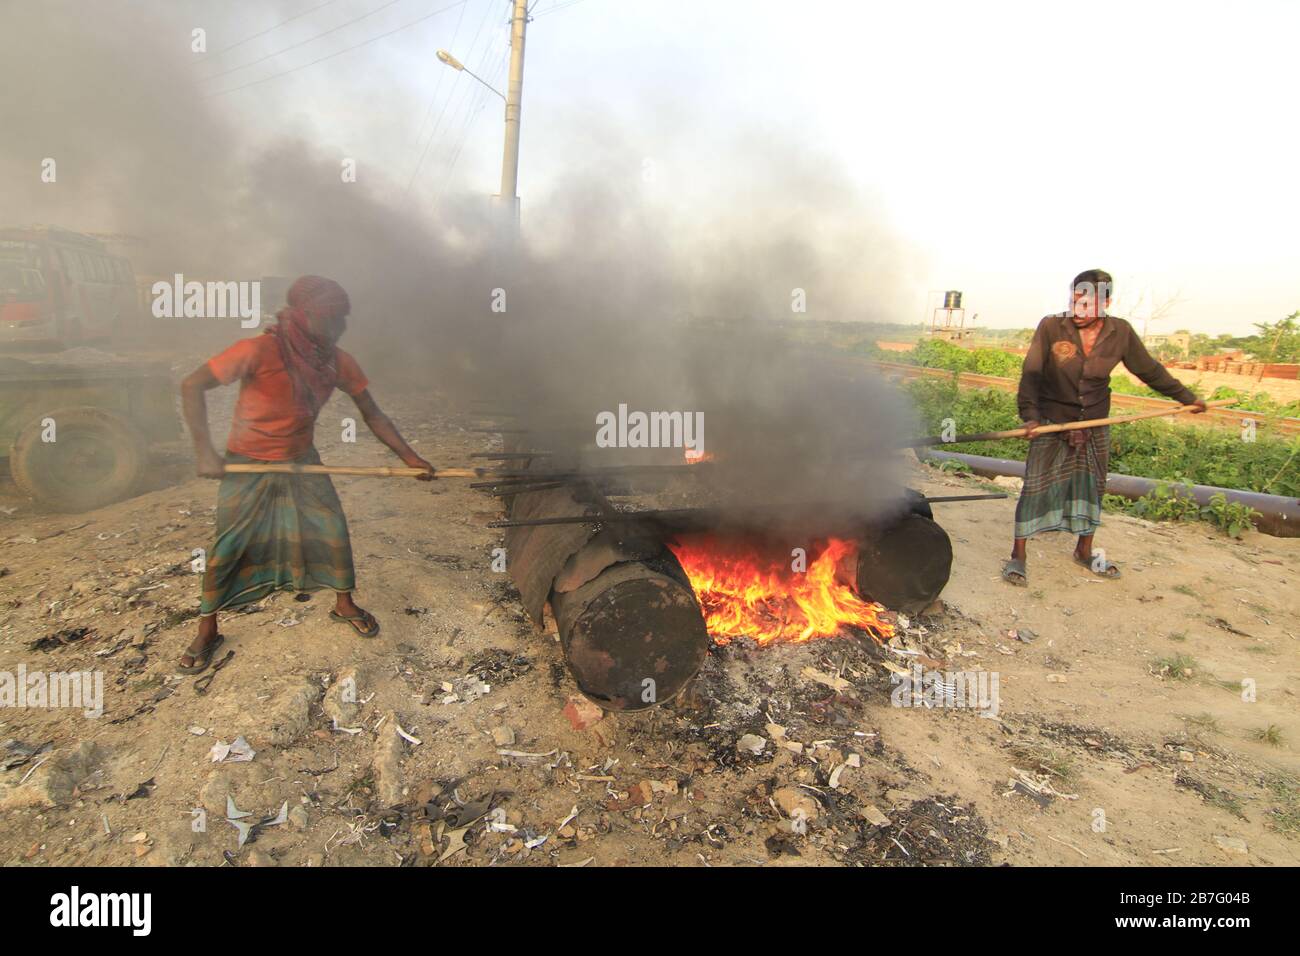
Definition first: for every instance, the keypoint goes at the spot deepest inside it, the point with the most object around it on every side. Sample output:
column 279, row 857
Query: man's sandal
column 364, row 624
column 201, row 659
column 1013, row 572
column 1107, row 570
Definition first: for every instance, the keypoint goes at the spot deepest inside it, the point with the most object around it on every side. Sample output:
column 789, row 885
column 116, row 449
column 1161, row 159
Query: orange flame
column 745, row 593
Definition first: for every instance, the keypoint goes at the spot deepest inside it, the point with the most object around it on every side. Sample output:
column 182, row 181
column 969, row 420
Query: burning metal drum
column 904, row 565
column 633, row 636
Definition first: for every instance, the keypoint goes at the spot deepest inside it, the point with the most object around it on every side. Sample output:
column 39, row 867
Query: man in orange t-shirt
column 281, row 532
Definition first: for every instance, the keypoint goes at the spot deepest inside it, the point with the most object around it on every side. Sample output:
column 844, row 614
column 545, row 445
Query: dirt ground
column 1122, row 734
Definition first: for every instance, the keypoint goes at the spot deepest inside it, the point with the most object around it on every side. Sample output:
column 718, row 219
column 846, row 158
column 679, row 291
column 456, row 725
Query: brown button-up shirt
column 1060, row 384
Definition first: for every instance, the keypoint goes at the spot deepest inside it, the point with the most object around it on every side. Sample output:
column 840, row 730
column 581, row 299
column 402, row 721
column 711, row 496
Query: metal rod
column 939, row 499
column 594, row 518
column 509, row 490
column 678, row 513
column 510, row 455
column 611, row 470
column 536, row 479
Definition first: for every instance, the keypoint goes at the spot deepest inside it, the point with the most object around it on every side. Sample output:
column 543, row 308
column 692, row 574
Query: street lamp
column 509, row 195
column 455, row 64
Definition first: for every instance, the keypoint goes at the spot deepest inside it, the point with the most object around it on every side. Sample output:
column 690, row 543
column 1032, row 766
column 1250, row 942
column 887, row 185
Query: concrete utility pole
column 514, row 97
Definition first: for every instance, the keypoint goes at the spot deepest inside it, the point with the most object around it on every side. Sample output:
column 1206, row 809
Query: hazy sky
column 1005, row 146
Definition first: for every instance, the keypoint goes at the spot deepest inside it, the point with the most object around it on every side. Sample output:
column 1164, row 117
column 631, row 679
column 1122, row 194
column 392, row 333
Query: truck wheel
column 69, row 334
column 97, row 457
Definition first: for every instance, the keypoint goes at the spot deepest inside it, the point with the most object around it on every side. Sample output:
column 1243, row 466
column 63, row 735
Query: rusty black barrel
column 634, row 635
column 904, row 565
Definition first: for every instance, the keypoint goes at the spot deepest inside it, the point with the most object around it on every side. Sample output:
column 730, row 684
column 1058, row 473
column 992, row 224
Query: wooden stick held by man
column 281, row 531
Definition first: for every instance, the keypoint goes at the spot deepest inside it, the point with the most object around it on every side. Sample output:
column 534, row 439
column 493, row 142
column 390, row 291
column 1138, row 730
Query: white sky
column 1009, row 145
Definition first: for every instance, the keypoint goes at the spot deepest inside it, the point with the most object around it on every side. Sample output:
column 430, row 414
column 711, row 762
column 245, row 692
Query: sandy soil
column 1099, row 754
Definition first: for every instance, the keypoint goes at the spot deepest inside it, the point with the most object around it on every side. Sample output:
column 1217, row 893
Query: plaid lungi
column 276, row 532
column 1063, row 484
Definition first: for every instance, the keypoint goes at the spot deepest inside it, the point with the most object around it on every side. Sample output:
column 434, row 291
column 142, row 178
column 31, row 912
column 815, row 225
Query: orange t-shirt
column 268, row 424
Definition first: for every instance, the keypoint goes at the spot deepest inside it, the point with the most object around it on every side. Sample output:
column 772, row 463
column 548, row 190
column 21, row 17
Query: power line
column 276, row 27
column 498, row 74
column 443, row 112
column 558, row 7
column 349, row 49
column 463, row 96
column 463, row 116
column 442, row 74
column 294, row 46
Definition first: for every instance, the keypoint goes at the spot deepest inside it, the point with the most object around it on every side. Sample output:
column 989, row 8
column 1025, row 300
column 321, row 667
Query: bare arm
column 195, row 407
column 383, row 428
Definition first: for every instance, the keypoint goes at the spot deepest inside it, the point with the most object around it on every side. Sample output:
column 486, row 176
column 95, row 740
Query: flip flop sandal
column 1108, row 571
column 1012, row 568
column 203, row 659
column 201, row 684
column 371, row 625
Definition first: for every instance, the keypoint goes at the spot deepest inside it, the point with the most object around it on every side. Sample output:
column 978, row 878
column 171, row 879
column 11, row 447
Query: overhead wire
column 294, row 46
column 349, row 49
column 452, row 95
column 262, row 33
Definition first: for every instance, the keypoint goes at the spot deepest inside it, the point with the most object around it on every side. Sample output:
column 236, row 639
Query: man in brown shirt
column 1066, row 378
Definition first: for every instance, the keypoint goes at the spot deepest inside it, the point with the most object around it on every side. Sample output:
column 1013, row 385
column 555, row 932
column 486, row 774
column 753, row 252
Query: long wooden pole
column 386, row 471
column 378, row 471
column 1068, row 426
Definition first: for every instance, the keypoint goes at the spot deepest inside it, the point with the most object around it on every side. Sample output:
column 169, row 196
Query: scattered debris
column 1234, row 845
column 62, row 638
column 17, row 753
column 236, row 752
column 582, row 713
column 404, row 735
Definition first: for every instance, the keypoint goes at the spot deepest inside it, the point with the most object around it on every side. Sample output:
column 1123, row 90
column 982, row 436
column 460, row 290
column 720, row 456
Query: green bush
column 1147, row 449
column 937, row 353
column 1167, row 503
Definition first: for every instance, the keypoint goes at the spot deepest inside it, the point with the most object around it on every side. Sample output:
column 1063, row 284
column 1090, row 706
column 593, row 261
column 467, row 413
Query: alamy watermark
column 651, row 430
column 83, row 689
column 975, row 690
column 75, row 908
column 208, row 300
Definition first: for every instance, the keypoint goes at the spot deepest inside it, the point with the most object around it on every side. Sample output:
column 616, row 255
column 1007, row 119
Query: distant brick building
column 1182, row 341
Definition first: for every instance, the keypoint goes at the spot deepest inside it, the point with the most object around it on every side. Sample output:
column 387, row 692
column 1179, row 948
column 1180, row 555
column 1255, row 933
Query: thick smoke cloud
column 659, row 299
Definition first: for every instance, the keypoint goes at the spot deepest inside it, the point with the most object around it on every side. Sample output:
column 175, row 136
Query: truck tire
column 68, row 334
column 97, row 457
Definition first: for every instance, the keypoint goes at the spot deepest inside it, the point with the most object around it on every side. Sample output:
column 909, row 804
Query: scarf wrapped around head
column 309, row 361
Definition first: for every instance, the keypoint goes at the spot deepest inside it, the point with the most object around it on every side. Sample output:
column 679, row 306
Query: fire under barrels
column 629, row 623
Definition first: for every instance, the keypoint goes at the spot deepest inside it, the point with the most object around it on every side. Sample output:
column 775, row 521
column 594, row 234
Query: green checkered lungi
column 1063, row 484
column 276, row 532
